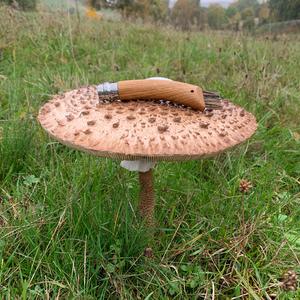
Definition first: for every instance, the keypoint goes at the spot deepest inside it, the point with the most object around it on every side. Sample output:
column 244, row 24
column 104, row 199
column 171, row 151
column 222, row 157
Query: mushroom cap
column 143, row 129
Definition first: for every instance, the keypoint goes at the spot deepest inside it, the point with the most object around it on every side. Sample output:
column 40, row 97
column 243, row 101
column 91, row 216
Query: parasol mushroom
column 143, row 132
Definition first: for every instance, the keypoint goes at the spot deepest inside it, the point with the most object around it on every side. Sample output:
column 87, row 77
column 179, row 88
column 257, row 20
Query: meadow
column 69, row 227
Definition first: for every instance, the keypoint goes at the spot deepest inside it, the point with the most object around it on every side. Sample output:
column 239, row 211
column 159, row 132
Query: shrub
column 22, row 4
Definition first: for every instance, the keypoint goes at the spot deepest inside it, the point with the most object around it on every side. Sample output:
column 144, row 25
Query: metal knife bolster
column 107, row 88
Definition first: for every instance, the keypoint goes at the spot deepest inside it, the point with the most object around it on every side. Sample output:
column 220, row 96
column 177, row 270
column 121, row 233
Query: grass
column 68, row 223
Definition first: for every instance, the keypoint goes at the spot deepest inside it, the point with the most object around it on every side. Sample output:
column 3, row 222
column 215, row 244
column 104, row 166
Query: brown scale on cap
column 45, row 110
column 143, row 129
column 164, row 113
column 61, row 122
column 162, row 128
column 91, row 123
column 87, row 131
column 108, row 116
column 131, row 117
column 116, row 125
column 204, row 124
column 152, row 120
column 70, row 117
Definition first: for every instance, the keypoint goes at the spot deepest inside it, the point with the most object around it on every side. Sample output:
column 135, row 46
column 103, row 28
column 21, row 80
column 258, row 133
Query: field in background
column 68, row 224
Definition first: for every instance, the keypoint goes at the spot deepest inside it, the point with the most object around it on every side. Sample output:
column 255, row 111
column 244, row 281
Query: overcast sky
column 207, row 2
column 222, row 2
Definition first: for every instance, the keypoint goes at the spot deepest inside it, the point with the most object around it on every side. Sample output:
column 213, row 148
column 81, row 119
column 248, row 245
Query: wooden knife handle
column 175, row 91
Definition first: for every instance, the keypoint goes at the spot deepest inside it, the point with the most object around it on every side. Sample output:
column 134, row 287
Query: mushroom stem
column 147, row 202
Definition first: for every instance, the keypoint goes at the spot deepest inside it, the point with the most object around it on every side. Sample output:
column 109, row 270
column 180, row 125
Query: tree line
column 187, row 14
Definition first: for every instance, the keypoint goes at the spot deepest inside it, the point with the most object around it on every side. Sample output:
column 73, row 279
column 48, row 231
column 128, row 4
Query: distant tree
column 247, row 13
column 159, row 10
column 98, row 4
column 231, row 11
column 240, row 5
column 141, row 8
column 122, row 4
column 127, row 7
column 186, row 13
column 248, row 18
column 216, row 16
column 249, row 24
column 22, row 4
column 234, row 21
column 202, row 18
column 264, row 13
column 284, row 10
column 153, row 10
